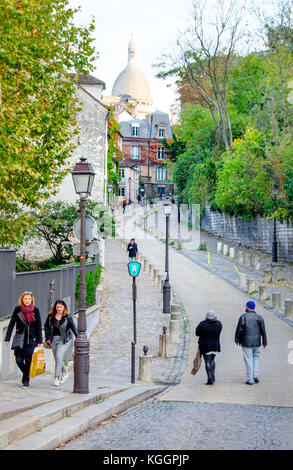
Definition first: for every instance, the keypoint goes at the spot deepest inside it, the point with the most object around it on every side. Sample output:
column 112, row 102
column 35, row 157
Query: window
column 135, row 152
column 121, row 191
column 161, row 133
column 135, row 130
column 121, row 172
column 161, row 173
column 161, row 153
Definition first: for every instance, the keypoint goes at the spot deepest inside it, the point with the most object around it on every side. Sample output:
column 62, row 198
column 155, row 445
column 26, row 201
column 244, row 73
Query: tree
column 55, row 220
column 207, row 52
column 39, row 46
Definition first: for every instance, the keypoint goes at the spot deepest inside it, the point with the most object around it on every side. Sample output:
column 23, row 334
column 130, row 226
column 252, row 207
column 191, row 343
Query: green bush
column 98, row 274
column 90, row 282
column 23, row 265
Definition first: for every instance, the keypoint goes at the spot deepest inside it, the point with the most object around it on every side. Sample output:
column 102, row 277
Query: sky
column 154, row 25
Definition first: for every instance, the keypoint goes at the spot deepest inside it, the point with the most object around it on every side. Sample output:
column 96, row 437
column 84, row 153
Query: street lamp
column 275, row 191
column 166, row 285
column 133, row 270
column 83, row 178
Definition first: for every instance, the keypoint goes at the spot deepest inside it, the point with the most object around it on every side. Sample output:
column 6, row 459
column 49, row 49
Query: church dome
column 131, row 81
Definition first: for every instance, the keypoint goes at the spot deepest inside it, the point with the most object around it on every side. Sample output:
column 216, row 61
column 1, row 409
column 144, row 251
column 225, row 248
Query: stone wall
column 256, row 233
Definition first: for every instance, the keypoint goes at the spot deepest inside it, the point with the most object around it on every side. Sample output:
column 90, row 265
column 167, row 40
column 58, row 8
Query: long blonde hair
column 26, row 293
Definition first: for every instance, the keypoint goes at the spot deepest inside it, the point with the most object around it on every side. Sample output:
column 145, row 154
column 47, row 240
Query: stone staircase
column 45, row 426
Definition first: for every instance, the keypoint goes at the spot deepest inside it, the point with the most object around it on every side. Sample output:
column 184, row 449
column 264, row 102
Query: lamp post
column 133, row 270
column 275, row 192
column 166, row 285
column 83, row 178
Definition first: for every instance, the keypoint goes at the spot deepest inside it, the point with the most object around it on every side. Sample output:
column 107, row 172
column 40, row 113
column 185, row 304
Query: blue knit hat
column 251, row 305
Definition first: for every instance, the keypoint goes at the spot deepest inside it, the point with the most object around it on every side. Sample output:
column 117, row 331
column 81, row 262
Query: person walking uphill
column 132, row 250
column 27, row 319
column 209, row 332
column 249, row 333
column 59, row 326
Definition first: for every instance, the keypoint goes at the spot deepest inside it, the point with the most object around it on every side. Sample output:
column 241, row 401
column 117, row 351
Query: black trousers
column 210, row 366
column 24, row 363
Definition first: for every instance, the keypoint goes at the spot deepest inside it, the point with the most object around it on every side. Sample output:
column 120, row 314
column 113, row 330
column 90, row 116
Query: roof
column 88, row 80
column 148, row 130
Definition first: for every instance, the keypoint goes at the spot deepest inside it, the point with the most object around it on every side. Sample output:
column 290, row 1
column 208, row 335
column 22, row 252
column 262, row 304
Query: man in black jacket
column 249, row 333
column 209, row 332
column 132, row 249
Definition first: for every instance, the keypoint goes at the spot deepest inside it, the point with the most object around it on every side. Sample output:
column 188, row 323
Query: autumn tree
column 40, row 45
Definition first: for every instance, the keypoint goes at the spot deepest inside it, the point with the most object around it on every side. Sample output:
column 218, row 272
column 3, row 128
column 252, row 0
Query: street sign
column 90, row 228
column 134, row 268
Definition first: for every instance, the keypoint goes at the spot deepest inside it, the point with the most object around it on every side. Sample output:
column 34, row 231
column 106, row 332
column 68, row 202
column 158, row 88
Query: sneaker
column 63, row 378
column 249, row 383
column 25, row 385
column 56, row 382
column 256, row 380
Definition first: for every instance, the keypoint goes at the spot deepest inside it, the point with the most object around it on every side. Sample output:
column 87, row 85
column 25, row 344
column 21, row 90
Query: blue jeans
column 251, row 358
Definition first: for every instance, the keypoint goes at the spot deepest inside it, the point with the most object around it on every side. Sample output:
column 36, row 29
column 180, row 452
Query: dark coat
column 209, row 336
column 132, row 251
column 33, row 331
column 250, row 330
column 66, row 327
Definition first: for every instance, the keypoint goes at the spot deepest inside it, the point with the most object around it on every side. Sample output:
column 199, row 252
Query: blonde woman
column 27, row 319
column 58, row 331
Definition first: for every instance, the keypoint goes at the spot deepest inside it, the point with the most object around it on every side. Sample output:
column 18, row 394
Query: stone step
column 28, row 422
column 73, row 425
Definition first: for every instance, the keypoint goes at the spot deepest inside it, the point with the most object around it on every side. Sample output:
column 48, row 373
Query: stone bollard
column 151, row 270
column 278, row 273
column 267, row 276
column 145, row 369
column 175, row 316
column 146, row 264
column 162, row 284
column 160, row 278
column 219, row 247
column 225, row 250
column 247, row 258
column 276, row 300
column 251, row 286
column 240, row 257
column 262, row 292
column 289, row 308
column 257, row 264
column 232, row 252
column 175, row 308
column 156, row 274
column 242, row 281
column 165, row 344
column 175, row 331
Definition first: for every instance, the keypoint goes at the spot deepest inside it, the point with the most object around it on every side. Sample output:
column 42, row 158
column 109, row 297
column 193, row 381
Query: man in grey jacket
column 250, row 332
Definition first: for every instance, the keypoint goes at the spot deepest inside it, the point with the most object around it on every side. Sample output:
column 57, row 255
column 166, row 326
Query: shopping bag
column 38, row 364
column 196, row 362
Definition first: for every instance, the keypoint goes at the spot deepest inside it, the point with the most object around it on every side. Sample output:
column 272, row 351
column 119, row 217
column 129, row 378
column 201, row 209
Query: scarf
column 28, row 312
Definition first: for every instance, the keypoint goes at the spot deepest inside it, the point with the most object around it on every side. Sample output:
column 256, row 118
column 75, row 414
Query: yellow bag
column 38, row 364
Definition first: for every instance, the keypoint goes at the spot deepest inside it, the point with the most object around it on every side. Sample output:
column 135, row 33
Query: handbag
column 38, row 364
column 196, row 362
column 18, row 341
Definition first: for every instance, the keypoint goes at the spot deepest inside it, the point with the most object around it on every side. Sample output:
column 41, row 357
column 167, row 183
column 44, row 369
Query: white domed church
column 131, row 91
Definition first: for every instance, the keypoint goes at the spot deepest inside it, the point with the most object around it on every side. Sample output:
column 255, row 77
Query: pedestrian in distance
column 209, row 331
column 59, row 327
column 250, row 332
column 27, row 320
column 139, row 198
column 132, row 250
column 124, row 204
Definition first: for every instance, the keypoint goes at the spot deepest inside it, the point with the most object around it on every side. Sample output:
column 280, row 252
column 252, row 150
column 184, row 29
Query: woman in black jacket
column 58, row 331
column 209, row 332
column 27, row 319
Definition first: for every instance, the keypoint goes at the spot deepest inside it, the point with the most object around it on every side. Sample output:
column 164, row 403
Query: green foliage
column 90, row 288
column 23, row 265
column 98, row 273
column 39, row 45
column 244, row 181
column 115, row 155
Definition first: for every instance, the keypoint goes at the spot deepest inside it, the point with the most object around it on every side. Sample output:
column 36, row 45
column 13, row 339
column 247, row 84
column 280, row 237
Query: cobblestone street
column 192, row 426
